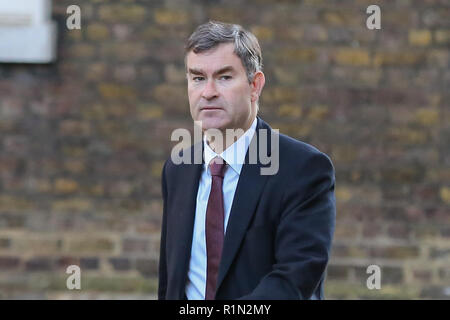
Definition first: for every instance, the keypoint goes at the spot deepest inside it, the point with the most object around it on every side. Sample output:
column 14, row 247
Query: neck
column 226, row 137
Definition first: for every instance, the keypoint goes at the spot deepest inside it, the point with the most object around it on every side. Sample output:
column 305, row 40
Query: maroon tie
column 214, row 226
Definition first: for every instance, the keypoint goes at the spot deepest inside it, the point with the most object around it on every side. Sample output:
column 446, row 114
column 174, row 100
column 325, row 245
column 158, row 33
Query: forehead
column 214, row 58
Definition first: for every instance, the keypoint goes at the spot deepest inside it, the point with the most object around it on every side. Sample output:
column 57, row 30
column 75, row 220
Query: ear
column 257, row 85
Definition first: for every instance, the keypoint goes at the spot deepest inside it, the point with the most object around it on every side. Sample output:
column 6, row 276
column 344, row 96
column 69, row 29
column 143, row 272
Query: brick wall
column 82, row 141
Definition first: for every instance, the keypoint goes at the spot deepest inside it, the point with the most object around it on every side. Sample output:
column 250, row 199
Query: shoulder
column 180, row 159
column 298, row 158
column 305, row 172
column 294, row 150
column 300, row 151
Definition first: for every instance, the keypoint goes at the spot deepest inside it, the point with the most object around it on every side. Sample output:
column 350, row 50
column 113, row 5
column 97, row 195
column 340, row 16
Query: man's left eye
column 225, row 77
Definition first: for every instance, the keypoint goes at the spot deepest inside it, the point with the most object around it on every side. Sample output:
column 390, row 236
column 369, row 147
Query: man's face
column 219, row 92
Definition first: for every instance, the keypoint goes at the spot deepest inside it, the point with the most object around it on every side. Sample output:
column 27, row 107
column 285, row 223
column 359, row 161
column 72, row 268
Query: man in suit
column 229, row 231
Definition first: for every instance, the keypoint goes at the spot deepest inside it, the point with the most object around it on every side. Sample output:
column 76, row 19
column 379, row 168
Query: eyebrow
column 220, row 71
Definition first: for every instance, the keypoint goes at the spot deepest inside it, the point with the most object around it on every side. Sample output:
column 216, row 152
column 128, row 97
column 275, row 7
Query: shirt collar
column 234, row 155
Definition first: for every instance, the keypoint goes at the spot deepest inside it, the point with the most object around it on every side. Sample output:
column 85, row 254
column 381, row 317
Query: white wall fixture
column 27, row 34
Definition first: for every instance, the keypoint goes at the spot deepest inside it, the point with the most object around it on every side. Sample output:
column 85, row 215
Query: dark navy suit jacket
column 278, row 239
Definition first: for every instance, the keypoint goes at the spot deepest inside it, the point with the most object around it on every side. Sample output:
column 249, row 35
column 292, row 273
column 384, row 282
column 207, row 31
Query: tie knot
column 217, row 167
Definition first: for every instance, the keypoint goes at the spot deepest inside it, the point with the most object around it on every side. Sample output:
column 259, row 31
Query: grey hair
column 246, row 46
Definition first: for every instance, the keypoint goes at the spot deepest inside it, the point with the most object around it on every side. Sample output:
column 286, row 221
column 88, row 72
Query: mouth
column 210, row 108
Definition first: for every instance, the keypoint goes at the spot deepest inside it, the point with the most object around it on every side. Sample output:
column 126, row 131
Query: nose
column 210, row 91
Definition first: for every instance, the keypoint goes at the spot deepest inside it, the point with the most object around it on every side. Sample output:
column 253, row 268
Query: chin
column 213, row 123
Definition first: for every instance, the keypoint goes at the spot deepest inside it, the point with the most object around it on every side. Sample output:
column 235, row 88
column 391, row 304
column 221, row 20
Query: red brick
column 9, row 263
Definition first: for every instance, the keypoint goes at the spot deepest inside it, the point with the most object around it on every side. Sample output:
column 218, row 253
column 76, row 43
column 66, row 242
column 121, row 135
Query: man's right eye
column 197, row 79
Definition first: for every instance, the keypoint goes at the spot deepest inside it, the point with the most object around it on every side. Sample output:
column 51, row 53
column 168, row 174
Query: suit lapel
column 186, row 204
column 248, row 191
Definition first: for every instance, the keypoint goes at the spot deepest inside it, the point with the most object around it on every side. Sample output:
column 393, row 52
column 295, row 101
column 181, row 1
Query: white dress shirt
column 234, row 156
